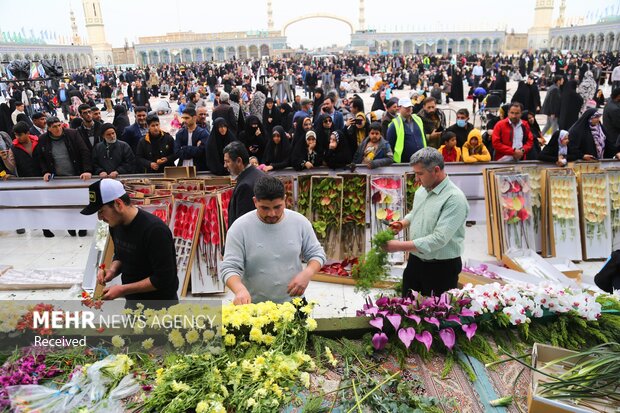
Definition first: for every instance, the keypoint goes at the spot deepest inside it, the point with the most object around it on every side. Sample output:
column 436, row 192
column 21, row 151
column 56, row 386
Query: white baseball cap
column 404, row 103
column 102, row 192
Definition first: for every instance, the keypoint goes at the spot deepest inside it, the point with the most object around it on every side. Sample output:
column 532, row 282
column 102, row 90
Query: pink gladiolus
column 470, row 330
column 377, row 323
column 379, row 340
column 394, row 319
column 406, row 335
column 425, row 338
column 432, row 320
column 448, row 337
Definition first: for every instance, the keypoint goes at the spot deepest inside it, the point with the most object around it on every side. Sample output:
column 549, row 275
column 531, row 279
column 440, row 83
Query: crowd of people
column 308, row 113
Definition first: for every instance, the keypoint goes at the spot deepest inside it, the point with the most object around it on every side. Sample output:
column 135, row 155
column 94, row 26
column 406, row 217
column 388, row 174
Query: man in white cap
column 144, row 252
column 406, row 132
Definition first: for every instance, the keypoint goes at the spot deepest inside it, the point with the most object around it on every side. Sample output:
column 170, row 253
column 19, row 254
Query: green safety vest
column 399, row 127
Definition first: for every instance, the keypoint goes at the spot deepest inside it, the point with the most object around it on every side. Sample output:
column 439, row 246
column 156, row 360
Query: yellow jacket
column 478, row 153
column 456, row 148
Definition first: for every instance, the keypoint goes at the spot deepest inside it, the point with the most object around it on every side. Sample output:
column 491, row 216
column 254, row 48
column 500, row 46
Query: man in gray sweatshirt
column 262, row 259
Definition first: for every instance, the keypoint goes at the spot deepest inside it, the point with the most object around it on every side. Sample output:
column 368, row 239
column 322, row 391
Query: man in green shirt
column 437, row 228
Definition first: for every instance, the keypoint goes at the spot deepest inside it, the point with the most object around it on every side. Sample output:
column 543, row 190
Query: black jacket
column 611, row 120
column 300, row 156
column 608, row 277
column 150, row 150
column 84, row 134
column 461, row 133
column 551, row 106
column 241, row 201
column 78, row 152
column 132, row 136
column 116, row 157
column 26, row 165
column 196, row 152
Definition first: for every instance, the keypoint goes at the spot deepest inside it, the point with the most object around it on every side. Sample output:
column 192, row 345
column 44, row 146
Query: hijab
column 562, row 149
column 121, row 120
column 322, row 134
column 280, row 153
column 249, row 138
column 216, row 142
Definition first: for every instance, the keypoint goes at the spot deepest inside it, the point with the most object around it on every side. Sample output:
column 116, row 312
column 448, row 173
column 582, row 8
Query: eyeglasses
column 328, row 120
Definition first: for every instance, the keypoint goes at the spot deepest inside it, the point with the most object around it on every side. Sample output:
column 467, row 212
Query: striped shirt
column 438, row 222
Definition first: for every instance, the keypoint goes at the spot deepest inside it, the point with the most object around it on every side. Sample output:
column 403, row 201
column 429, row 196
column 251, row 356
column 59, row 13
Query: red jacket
column 502, row 139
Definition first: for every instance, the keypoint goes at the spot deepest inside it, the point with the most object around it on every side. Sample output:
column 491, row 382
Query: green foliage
column 411, row 187
column 303, row 194
column 374, row 266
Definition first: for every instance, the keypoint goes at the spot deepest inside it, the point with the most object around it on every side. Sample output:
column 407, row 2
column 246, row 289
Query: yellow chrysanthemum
column 229, row 340
column 147, row 344
column 117, row 341
column 192, row 336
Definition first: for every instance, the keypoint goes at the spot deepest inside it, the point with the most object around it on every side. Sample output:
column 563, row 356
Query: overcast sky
column 133, row 18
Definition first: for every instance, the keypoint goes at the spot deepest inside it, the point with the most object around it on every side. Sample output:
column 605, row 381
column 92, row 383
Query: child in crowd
column 474, row 150
column 254, row 162
column 449, row 150
column 557, row 150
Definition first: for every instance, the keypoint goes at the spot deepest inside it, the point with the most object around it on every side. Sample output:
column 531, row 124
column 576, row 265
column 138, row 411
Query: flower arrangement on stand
column 594, row 196
column 326, row 211
column 535, row 177
column 564, row 213
column 614, row 204
column 386, row 197
column 353, row 236
column 516, row 211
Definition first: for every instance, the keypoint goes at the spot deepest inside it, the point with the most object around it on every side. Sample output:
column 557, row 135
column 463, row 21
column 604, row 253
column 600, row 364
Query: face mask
column 461, row 123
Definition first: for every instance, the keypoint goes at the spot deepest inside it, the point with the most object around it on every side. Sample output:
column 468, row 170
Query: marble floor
column 32, row 251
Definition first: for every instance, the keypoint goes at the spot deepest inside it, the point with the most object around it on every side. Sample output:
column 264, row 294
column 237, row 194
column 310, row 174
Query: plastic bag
column 85, row 389
column 20, row 69
column 52, row 67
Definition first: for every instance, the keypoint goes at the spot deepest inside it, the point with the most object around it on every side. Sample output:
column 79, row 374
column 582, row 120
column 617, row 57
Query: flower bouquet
column 326, row 212
column 564, row 228
column 204, row 274
column 304, row 182
column 516, row 213
column 535, row 177
column 353, row 237
column 185, row 225
column 595, row 215
column 386, row 197
column 614, row 205
column 288, row 182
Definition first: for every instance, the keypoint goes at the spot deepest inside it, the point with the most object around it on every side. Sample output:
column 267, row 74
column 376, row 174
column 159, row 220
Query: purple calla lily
column 466, row 312
column 379, row 340
column 425, row 338
column 448, row 337
column 383, row 301
column 432, row 320
column 394, row 319
column 377, row 323
column 406, row 335
column 414, row 317
column 470, row 330
column 454, row 318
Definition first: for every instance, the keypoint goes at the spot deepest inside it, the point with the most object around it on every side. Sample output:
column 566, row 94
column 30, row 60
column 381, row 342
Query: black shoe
column 71, row 232
column 48, row 234
column 82, row 233
column 21, row 231
column 470, row 223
